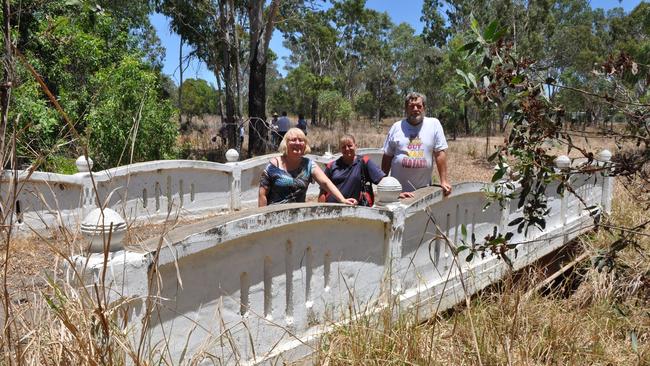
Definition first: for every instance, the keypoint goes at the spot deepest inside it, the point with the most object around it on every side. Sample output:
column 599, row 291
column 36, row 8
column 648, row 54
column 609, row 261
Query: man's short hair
column 284, row 113
column 415, row 95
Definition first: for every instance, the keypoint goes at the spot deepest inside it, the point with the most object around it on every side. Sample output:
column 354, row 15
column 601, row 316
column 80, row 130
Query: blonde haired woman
column 286, row 178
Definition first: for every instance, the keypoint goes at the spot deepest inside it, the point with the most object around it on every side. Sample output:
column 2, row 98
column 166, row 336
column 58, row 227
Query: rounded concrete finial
column 388, row 190
column 562, row 162
column 96, row 227
column 604, row 156
column 232, row 155
column 82, row 165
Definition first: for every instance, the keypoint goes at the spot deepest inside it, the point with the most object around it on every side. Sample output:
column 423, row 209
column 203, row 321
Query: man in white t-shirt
column 411, row 147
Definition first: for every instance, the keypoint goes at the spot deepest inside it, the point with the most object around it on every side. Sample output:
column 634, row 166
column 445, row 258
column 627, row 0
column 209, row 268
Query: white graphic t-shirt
column 412, row 149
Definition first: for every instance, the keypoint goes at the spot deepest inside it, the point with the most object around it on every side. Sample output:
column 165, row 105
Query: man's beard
column 415, row 120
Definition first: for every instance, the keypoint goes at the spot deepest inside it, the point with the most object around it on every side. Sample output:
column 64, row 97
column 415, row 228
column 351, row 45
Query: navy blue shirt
column 347, row 178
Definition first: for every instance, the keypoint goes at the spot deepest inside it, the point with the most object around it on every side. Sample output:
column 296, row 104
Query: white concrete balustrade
column 262, row 285
column 141, row 193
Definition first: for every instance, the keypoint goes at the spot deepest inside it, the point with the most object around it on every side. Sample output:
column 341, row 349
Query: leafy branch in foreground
column 538, row 126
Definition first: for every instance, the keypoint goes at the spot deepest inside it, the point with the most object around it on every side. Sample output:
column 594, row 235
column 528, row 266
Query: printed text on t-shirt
column 415, row 152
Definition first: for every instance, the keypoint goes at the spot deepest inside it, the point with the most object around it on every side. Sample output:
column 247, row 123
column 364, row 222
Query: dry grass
column 604, row 322
column 54, row 323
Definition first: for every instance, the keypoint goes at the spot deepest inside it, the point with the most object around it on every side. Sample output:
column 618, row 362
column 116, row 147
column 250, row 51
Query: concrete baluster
column 88, row 198
column 235, row 180
column 605, row 158
column 563, row 165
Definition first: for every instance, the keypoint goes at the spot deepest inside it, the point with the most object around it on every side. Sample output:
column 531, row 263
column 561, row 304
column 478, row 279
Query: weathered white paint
column 103, row 230
column 141, row 193
column 264, row 284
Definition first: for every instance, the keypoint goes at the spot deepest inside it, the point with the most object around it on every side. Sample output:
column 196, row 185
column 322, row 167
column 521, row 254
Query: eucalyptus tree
column 630, row 33
column 396, row 68
column 525, row 159
column 380, row 71
column 359, row 31
column 261, row 21
column 211, row 27
column 199, row 98
column 312, row 39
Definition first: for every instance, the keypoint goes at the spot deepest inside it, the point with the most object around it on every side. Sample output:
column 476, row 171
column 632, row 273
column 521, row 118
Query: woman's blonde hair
column 293, row 132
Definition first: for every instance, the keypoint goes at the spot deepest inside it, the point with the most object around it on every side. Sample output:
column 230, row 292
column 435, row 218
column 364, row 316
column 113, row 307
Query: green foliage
column 198, row 98
column 60, row 164
column 128, row 117
column 75, row 46
column 365, row 105
column 334, row 108
column 38, row 122
column 508, row 81
column 298, row 89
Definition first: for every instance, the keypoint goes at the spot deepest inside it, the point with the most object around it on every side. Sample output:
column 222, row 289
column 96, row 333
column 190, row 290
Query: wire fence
column 268, row 135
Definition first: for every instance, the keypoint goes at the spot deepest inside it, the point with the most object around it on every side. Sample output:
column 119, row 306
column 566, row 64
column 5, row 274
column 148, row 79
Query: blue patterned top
column 287, row 187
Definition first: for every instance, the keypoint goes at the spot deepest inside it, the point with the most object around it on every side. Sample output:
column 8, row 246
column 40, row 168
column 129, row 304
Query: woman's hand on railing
column 350, row 201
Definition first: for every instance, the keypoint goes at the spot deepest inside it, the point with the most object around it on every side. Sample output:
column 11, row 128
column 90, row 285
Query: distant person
column 353, row 175
column 242, row 131
column 273, row 126
column 283, row 124
column 223, row 134
column 302, row 123
column 286, row 178
column 412, row 145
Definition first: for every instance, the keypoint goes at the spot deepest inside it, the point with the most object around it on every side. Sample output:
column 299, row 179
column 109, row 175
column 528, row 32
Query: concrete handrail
column 140, row 192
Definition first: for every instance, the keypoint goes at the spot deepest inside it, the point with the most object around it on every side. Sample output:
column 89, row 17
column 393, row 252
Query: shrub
column 129, row 114
column 60, row 164
column 334, row 107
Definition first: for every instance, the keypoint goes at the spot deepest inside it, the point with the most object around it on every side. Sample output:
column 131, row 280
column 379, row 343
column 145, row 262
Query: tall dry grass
column 604, row 321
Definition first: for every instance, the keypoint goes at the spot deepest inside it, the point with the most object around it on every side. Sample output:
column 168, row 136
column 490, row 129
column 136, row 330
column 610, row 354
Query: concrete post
column 605, row 157
column 562, row 165
column 123, row 278
column 388, row 191
column 88, row 202
column 235, row 180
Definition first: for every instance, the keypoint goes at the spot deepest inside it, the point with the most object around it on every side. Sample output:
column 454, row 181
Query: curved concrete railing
column 141, row 192
column 265, row 284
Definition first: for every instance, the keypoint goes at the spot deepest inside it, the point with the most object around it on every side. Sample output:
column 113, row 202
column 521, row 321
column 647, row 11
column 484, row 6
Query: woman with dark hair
column 302, row 123
column 353, row 175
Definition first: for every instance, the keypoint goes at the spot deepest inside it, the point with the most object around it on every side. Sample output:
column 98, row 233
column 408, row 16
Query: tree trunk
column 180, row 85
column 466, row 120
column 260, row 36
column 454, row 126
column 222, row 109
column 240, row 101
column 230, row 79
column 486, row 117
column 314, row 111
column 257, row 109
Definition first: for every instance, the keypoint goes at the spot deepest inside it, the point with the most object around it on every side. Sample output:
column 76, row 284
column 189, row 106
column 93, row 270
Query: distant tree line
column 102, row 61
